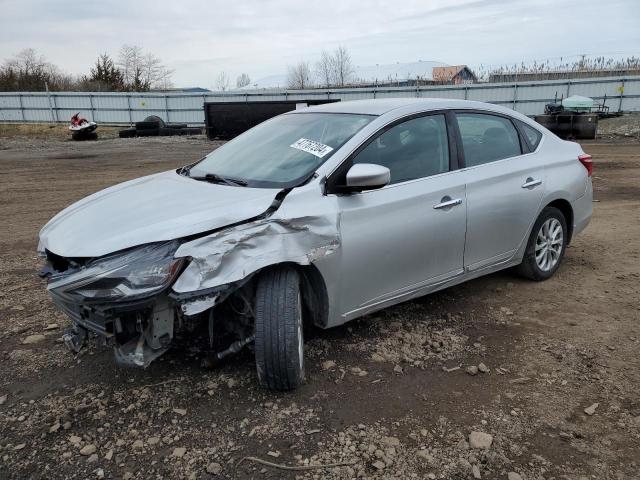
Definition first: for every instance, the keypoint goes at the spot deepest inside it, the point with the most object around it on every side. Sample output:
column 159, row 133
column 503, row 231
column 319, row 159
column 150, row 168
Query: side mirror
column 367, row 176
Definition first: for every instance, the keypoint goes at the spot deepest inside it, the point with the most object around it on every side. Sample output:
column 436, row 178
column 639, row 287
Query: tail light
column 587, row 162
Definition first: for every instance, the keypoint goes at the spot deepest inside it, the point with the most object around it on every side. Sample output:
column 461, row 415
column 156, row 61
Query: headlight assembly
column 124, row 276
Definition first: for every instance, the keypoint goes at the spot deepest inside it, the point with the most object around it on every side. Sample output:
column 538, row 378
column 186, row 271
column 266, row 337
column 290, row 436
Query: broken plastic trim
column 199, row 305
column 193, row 303
column 136, row 353
column 75, row 337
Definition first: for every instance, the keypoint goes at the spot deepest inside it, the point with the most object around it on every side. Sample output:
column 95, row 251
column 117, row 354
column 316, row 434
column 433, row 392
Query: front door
column 410, row 233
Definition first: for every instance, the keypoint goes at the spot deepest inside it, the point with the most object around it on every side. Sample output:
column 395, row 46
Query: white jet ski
column 81, row 125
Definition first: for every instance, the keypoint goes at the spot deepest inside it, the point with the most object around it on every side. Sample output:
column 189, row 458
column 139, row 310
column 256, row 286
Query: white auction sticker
column 311, row 146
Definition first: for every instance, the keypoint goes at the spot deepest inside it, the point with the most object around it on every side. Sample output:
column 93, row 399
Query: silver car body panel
column 230, row 255
column 373, row 249
column 500, row 210
column 154, row 208
column 396, row 219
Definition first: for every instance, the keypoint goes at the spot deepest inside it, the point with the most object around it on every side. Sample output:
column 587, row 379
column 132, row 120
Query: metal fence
column 621, row 94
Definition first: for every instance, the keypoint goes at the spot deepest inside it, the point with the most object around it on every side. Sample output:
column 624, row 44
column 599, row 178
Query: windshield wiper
column 215, row 178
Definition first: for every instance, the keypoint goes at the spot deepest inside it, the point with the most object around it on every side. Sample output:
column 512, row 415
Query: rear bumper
column 583, row 209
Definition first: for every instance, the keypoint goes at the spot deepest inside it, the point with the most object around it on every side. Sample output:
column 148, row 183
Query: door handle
column 447, row 202
column 531, row 182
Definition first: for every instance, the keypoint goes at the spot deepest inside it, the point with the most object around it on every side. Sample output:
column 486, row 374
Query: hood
column 156, row 208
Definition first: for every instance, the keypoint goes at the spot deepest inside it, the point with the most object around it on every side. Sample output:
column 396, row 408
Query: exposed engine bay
column 141, row 330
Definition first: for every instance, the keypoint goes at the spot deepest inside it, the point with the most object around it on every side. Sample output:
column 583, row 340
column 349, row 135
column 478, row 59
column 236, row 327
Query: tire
column 84, row 136
column 190, row 131
column 176, row 125
column 168, row 132
column 148, row 133
column 540, row 270
column 147, row 126
column 156, row 119
column 127, row 133
column 279, row 339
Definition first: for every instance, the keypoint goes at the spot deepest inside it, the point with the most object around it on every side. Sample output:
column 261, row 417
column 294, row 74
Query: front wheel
column 546, row 246
column 279, row 342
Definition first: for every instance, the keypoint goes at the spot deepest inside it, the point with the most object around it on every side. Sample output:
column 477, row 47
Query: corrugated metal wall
column 622, row 93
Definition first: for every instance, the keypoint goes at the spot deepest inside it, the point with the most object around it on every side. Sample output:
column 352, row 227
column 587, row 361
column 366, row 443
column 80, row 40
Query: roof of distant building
column 446, row 74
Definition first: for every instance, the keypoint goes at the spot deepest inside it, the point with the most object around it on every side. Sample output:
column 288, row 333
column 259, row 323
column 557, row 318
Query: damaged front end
column 122, row 298
column 140, row 299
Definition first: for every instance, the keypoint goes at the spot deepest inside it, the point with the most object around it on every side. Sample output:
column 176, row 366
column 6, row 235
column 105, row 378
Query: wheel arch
column 314, row 291
column 567, row 210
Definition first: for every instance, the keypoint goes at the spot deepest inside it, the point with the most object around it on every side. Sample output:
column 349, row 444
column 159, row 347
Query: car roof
column 384, row 105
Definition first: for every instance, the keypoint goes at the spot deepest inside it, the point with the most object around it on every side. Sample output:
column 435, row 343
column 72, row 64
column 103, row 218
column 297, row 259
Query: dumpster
column 225, row 120
column 570, row 125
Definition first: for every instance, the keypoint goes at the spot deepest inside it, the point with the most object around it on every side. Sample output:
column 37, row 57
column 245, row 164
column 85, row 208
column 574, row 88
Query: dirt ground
column 389, row 395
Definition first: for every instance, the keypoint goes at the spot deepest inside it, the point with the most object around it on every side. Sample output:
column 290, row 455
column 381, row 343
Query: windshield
column 283, row 151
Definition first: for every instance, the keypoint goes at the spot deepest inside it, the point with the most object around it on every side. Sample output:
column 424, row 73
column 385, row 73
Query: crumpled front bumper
column 95, row 319
column 139, row 331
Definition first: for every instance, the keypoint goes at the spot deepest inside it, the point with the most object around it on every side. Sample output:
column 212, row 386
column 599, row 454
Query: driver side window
column 413, row 149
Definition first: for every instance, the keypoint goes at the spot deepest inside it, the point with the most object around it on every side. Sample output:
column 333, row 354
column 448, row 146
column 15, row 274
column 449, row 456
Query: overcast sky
column 199, row 38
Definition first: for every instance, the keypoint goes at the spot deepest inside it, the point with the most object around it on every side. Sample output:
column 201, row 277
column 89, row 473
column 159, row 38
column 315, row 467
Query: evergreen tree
column 105, row 73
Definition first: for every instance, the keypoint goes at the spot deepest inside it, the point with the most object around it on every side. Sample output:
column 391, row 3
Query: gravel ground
column 624, row 127
column 497, row 378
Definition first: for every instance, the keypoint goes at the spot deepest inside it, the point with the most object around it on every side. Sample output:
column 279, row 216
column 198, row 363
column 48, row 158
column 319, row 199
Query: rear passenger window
column 487, row 138
column 413, row 149
column 533, row 135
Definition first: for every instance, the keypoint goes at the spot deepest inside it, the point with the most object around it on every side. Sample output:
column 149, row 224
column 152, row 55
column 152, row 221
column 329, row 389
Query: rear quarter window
column 533, row 135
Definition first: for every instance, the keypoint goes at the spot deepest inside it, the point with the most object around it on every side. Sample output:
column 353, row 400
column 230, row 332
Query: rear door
column 410, row 233
column 505, row 183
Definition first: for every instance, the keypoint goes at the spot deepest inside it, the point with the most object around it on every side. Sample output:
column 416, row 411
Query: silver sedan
column 318, row 216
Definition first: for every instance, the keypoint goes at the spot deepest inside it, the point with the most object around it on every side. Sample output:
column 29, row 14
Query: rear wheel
column 279, row 341
column 546, row 245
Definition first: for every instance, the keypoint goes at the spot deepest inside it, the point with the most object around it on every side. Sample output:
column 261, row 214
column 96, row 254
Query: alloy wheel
column 549, row 244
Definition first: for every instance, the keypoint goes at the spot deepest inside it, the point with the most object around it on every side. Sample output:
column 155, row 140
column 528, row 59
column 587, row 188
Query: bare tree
column 155, row 73
column 299, row 76
column 243, row 80
column 29, row 62
column 222, row 81
column 325, row 70
column 28, row 70
column 164, row 82
column 129, row 59
column 342, row 66
column 336, row 68
column 142, row 71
